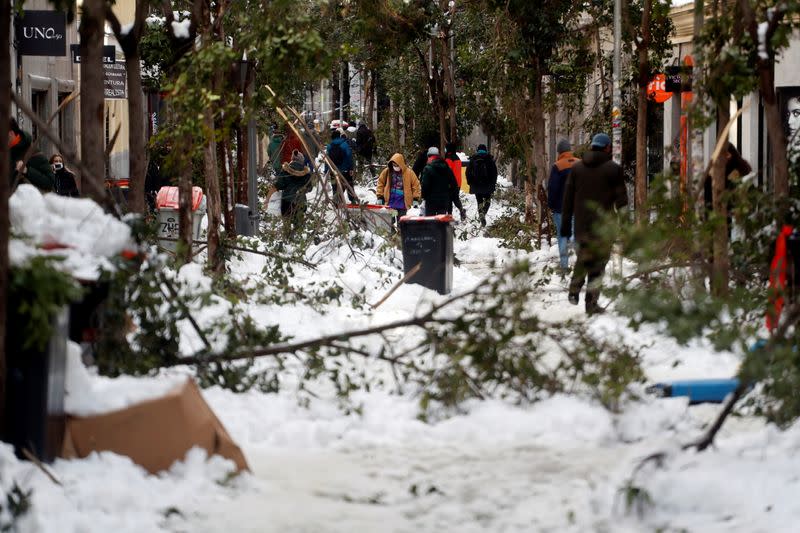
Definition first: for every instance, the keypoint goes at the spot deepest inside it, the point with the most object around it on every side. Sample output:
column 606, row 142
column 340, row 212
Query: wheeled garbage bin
column 373, row 217
column 35, row 382
column 167, row 205
column 428, row 242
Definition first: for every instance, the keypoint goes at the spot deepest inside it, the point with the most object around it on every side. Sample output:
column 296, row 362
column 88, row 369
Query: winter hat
column 482, row 148
column 433, row 151
column 601, row 140
column 298, row 157
column 563, row 146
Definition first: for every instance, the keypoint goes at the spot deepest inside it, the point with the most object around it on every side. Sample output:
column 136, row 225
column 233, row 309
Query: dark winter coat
column 596, row 185
column 482, row 182
column 155, row 178
column 294, row 181
column 65, row 183
column 439, row 188
column 557, row 180
column 420, row 162
column 365, row 141
column 38, row 170
column 347, row 163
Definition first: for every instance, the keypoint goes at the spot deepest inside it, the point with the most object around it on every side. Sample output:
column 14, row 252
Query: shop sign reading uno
column 42, row 33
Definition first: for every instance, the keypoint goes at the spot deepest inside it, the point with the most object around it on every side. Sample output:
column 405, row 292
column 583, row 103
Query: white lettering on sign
column 33, row 32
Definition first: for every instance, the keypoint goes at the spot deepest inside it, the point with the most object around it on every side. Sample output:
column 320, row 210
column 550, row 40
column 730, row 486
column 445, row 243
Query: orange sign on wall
column 656, row 89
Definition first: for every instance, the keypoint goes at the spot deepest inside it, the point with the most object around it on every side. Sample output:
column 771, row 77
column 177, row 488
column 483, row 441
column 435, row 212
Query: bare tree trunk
column 230, row 215
column 136, row 112
column 215, row 262
column 5, row 167
column 695, row 150
column 720, row 269
column 641, row 121
column 539, row 149
column 600, row 65
column 136, row 133
column 766, row 81
column 515, row 172
column 369, row 89
column 345, row 91
column 92, row 96
column 336, row 99
column 449, row 85
column 184, row 245
column 225, row 200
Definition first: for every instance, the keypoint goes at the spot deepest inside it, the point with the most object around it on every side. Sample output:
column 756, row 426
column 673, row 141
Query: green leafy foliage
column 37, row 292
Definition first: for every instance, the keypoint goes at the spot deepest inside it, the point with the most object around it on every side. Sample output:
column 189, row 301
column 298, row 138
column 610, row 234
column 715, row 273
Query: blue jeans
column 563, row 252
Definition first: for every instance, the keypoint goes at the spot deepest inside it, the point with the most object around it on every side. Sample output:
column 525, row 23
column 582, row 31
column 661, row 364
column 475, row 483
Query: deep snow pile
column 76, row 229
column 557, row 465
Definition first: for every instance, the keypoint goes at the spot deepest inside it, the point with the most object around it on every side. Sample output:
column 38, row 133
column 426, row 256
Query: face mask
column 395, row 168
column 58, row 166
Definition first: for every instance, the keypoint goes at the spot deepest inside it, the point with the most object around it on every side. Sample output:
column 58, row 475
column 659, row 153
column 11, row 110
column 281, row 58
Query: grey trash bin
column 243, row 220
column 167, row 209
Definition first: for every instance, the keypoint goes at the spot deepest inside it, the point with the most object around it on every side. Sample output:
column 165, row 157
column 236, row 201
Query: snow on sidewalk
column 557, row 465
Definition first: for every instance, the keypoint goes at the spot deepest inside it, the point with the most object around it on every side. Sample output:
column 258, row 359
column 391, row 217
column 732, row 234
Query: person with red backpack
column 482, row 180
column 453, row 161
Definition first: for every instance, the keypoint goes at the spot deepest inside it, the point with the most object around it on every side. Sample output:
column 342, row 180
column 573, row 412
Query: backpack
column 336, row 154
column 480, row 171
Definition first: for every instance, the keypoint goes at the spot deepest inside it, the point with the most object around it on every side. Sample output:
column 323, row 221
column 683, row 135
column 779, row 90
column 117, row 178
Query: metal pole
column 252, row 177
column 616, row 103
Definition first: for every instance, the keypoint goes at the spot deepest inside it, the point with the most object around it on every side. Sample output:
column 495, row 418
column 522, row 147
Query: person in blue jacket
column 555, row 194
column 340, row 153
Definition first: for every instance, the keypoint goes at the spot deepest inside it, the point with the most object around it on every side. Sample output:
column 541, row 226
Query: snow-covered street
column 560, row 464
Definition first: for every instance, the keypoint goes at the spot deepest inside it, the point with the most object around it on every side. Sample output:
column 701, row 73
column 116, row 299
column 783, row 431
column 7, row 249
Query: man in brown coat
column 594, row 187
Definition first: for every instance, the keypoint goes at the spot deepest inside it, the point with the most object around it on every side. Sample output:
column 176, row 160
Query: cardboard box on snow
column 154, row 433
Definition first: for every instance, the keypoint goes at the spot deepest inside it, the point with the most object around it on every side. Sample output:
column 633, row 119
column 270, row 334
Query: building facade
column 44, row 82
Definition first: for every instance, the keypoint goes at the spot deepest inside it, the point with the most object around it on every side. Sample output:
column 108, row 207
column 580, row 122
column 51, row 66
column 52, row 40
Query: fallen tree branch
column 249, row 250
column 792, row 317
column 325, row 340
column 35, row 460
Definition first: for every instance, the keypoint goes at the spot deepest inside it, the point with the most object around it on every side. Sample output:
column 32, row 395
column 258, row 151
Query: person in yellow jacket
column 398, row 186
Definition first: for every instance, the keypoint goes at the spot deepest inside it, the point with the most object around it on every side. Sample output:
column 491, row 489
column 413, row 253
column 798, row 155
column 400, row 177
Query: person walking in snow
column 341, row 155
column 294, row 181
column 453, row 161
column 482, row 180
column 64, row 180
column 398, row 186
column 37, row 170
column 439, row 187
column 555, row 194
column 365, row 146
column 595, row 186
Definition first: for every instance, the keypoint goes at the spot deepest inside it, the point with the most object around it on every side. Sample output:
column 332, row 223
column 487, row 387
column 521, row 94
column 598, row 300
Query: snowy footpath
column 558, row 465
